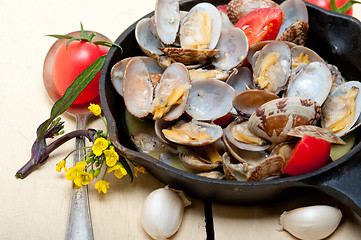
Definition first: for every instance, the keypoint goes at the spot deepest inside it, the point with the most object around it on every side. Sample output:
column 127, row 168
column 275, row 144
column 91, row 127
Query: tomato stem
column 344, row 8
column 85, row 38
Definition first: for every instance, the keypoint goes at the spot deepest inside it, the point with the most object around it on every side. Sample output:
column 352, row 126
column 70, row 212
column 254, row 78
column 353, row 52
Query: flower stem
column 40, row 150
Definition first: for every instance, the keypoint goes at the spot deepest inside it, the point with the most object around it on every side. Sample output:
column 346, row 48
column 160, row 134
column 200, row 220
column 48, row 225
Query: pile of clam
column 221, row 118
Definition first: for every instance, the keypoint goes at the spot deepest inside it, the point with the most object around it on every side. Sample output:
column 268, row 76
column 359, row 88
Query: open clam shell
column 233, row 44
column 337, row 107
column 312, row 56
column 295, row 27
column 117, row 71
column 209, row 99
column 175, row 76
column 234, row 127
column 269, row 168
column 240, row 79
column 137, row 88
column 273, row 67
column 255, row 49
column 167, row 18
column 315, row 131
column 275, row 118
column 313, row 81
column 186, row 130
column 201, row 27
column 147, row 41
column 248, row 101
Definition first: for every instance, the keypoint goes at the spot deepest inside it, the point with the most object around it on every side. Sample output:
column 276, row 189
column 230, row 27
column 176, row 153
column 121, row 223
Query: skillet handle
column 342, row 182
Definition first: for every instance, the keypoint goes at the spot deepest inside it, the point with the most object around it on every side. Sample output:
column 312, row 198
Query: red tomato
column 223, row 8
column 309, row 154
column 261, row 24
column 222, row 120
column 71, row 61
column 326, row 4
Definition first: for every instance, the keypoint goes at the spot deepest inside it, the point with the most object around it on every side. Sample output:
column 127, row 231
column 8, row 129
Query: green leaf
column 72, row 92
column 125, row 164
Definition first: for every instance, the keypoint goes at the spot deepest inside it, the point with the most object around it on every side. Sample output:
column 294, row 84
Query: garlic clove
column 162, row 212
column 311, row 223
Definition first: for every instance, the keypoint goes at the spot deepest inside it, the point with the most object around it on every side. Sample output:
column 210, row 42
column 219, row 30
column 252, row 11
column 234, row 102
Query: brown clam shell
column 188, row 56
column 296, row 33
column 315, row 131
column 275, row 118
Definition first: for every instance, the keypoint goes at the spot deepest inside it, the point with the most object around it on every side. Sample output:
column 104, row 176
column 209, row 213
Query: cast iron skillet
column 337, row 39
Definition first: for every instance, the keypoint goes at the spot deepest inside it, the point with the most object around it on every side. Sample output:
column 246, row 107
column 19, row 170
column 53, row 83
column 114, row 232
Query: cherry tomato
column 326, row 4
column 261, row 24
column 70, row 61
column 309, row 154
column 223, row 8
column 222, row 120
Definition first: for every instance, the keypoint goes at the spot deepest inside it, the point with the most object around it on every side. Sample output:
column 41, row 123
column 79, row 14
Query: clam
column 252, row 165
column 203, row 158
column 255, row 49
column 209, row 99
column 138, row 100
column 199, row 73
column 272, row 67
column 238, row 134
column 337, row 78
column 275, row 118
column 194, row 162
column 171, row 94
column 315, row 131
column 245, row 156
column 146, row 40
column 193, row 133
column 295, row 27
column 341, row 111
column 233, row 44
column 303, row 55
column 240, row 79
column 313, row 81
column 226, row 23
column 267, row 169
column 167, row 18
column 189, row 56
column 117, row 72
column 248, row 101
column 201, row 27
column 237, row 9
column 167, row 100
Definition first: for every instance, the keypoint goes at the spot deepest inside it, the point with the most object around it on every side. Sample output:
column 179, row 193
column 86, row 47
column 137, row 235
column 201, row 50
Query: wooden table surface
column 37, row 207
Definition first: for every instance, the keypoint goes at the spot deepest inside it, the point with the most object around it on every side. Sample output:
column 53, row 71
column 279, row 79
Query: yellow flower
column 119, row 171
column 86, row 178
column 111, row 157
column 138, row 169
column 61, row 165
column 100, row 144
column 76, row 174
column 102, row 186
column 95, row 109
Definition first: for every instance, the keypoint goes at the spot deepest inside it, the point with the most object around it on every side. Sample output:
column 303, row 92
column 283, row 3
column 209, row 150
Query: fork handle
column 79, row 220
